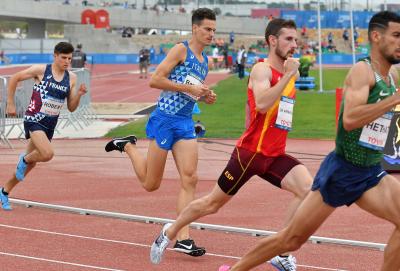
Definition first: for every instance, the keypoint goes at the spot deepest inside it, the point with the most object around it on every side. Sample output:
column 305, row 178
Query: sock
column 4, row 192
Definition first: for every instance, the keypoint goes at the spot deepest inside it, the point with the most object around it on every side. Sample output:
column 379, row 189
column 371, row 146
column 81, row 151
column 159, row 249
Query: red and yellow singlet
column 262, row 135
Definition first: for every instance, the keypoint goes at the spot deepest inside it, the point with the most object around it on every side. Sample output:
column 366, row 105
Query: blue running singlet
column 47, row 99
column 191, row 71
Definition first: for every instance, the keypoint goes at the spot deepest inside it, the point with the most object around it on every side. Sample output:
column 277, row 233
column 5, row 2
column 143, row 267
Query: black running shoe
column 188, row 247
column 118, row 144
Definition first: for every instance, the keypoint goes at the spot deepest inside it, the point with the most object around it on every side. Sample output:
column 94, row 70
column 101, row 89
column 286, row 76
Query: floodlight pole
column 353, row 50
column 319, row 46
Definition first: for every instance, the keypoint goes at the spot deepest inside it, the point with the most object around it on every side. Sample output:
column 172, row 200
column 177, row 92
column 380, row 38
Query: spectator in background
column 345, row 35
column 231, row 37
column 152, row 55
column 304, row 32
column 215, row 54
column 241, row 61
column 330, row 38
column 3, row 58
column 144, row 55
column 225, row 53
column 356, row 36
column 78, row 57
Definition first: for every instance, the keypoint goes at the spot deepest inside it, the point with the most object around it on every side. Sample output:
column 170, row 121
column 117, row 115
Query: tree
column 217, row 11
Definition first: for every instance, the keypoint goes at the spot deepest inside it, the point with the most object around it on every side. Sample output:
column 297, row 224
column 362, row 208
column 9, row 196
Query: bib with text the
column 192, row 80
column 285, row 113
column 375, row 133
column 51, row 106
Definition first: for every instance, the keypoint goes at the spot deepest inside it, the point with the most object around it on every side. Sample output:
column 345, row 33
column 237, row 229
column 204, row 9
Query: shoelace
column 288, row 263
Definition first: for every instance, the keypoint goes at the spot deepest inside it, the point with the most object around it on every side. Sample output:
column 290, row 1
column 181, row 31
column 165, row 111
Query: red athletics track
column 121, row 83
column 83, row 175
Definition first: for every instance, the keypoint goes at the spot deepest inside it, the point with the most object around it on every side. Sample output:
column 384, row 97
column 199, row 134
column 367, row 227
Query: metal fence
column 82, row 117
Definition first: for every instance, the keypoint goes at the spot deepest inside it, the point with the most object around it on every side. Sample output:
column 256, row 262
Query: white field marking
column 139, row 245
column 59, row 262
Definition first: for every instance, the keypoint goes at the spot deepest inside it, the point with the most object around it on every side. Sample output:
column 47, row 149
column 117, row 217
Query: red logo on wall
column 100, row 18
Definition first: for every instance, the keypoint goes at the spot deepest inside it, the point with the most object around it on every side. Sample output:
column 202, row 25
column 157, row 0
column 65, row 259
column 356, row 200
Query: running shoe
column 159, row 245
column 188, row 247
column 21, row 168
column 284, row 263
column 5, row 204
column 118, row 144
column 224, row 268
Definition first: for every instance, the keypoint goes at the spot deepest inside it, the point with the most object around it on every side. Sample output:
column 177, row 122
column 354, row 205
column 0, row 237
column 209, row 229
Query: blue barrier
column 331, row 58
column 329, row 19
column 304, row 83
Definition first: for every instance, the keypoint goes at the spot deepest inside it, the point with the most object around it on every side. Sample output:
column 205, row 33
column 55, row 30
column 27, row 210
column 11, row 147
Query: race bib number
column 51, row 106
column 374, row 134
column 192, row 80
column 285, row 113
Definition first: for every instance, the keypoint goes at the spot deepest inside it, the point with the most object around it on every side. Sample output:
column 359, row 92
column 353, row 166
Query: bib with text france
column 374, row 134
column 285, row 113
column 192, row 80
column 51, row 106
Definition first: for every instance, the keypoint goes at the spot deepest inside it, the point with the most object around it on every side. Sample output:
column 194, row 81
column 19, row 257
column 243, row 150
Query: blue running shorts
column 167, row 130
column 342, row 183
column 34, row 126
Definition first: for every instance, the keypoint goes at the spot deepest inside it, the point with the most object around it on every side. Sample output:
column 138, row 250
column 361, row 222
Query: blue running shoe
column 21, row 168
column 5, row 204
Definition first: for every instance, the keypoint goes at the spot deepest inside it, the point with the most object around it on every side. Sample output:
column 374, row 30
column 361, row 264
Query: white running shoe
column 159, row 245
column 284, row 263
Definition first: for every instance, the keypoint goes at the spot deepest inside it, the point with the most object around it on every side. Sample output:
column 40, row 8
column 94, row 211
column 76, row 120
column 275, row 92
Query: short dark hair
column 381, row 20
column 63, row 48
column 202, row 13
column 275, row 25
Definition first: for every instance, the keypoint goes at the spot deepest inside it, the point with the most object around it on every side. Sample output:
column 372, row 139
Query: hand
column 11, row 110
column 210, row 98
column 291, row 65
column 199, row 90
column 82, row 90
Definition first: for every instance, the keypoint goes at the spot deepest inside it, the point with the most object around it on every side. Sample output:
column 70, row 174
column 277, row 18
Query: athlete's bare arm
column 74, row 95
column 160, row 80
column 357, row 112
column 260, row 81
column 35, row 71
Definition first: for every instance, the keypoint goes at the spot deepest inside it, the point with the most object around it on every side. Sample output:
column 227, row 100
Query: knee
column 304, row 190
column 150, row 187
column 189, row 182
column 293, row 242
column 47, row 155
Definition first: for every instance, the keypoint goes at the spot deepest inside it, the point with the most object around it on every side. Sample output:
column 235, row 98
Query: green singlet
column 347, row 142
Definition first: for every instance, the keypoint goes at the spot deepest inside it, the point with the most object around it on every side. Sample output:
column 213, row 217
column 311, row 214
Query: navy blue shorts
column 167, row 130
column 34, row 126
column 342, row 183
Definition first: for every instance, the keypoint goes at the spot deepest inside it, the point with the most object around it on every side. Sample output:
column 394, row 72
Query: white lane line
column 58, row 262
column 302, row 265
column 141, row 245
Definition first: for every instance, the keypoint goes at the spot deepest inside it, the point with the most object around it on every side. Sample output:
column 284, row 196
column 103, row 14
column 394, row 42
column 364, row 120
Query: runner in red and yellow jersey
column 261, row 149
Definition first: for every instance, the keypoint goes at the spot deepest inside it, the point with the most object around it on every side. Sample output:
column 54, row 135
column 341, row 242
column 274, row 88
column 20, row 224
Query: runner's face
column 62, row 61
column 390, row 43
column 286, row 43
column 205, row 31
